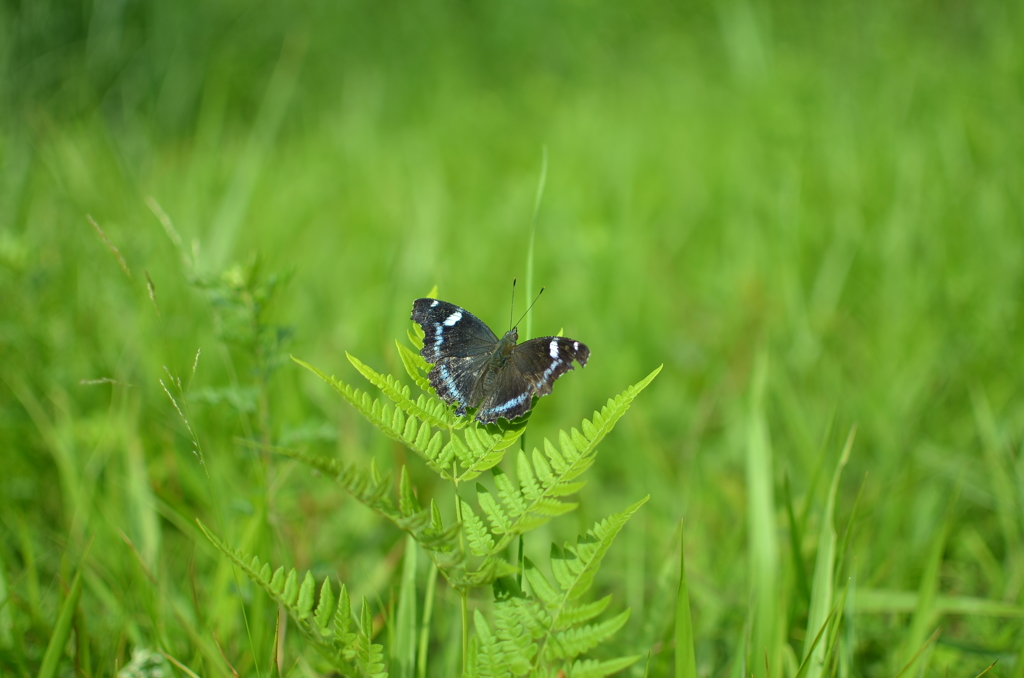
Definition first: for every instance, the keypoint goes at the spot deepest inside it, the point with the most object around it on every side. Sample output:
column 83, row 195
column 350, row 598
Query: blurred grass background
column 811, row 213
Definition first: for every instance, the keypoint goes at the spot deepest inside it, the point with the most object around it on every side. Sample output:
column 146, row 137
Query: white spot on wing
column 453, row 318
column 434, row 303
column 553, row 349
column 575, row 345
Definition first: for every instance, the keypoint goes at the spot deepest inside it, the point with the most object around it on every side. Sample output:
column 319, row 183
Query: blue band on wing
column 507, row 405
column 449, row 382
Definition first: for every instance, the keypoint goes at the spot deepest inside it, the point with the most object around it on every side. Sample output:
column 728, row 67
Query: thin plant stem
column 533, row 231
column 463, row 593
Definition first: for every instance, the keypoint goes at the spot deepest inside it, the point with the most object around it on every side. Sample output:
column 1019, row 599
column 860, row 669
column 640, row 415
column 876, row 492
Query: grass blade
column 686, row 664
column 541, row 182
column 924, row 646
column 987, row 669
column 824, row 567
column 404, row 648
column 62, row 629
column 428, row 610
column 809, row 660
column 795, row 539
column 764, row 552
column 925, row 613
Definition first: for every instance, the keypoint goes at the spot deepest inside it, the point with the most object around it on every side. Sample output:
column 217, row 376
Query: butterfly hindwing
column 531, row 371
column 545, row 359
column 457, row 379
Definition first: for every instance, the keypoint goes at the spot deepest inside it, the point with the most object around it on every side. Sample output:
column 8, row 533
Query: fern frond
column 490, row 659
column 433, row 412
column 584, row 558
column 369, row 655
column 516, row 644
column 573, row 642
column 327, row 625
column 539, row 584
column 394, row 422
column 371, row 489
column 480, row 540
column 574, row 568
column 485, row 446
column 415, row 366
column 578, row 614
column 592, row 668
column 491, row 569
column 513, row 610
column 553, row 473
column 407, row 502
column 493, row 510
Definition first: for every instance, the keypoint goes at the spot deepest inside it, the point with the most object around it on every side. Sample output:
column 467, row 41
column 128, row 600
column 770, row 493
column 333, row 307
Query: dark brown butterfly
column 475, row 369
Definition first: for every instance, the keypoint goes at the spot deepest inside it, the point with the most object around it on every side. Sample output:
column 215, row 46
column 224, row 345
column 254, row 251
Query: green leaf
column 343, row 614
column 62, row 629
column 291, row 589
column 325, row 609
column 490, row 659
column 438, row 417
column 573, row 642
column 392, row 421
column 442, row 545
column 824, row 568
column 805, row 666
column 407, row 502
column 686, row 663
column 492, row 509
column 591, row 668
column 540, row 585
column 590, row 550
column 485, row 446
column 403, row 649
column 415, row 366
column 304, row 602
column 480, row 540
column 573, row 615
column 347, row 651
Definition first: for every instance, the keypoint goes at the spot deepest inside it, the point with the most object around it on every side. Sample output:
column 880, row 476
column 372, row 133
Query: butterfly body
column 476, row 369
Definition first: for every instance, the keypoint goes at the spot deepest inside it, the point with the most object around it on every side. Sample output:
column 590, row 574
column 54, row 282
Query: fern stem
column 533, row 232
column 428, row 608
column 464, row 603
column 463, row 593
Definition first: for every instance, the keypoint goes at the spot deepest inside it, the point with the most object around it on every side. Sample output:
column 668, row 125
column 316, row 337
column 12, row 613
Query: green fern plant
column 469, row 552
column 328, row 626
column 546, row 633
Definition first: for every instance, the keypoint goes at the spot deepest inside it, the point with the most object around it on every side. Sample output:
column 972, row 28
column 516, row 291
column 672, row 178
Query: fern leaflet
column 328, row 625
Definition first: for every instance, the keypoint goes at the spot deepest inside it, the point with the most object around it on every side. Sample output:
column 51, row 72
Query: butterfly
column 477, row 370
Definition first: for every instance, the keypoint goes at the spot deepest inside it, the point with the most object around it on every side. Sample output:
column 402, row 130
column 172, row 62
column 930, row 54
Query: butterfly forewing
column 451, row 331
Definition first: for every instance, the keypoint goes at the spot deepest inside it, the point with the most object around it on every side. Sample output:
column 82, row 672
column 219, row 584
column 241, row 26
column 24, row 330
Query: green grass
column 811, row 213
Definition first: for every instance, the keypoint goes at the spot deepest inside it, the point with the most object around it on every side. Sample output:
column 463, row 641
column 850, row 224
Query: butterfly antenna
column 512, row 310
column 531, row 306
